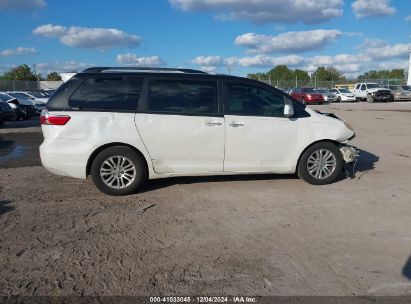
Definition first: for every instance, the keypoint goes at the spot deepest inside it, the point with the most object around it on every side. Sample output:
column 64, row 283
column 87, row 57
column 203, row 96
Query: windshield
column 372, row 86
column 395, row 88
column 308, row 90
column 38, row 94
column 344, row 91
column 4, row 97
column 19, row 95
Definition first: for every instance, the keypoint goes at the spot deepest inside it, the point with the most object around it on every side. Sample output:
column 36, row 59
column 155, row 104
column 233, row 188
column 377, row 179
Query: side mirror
column 288, row 108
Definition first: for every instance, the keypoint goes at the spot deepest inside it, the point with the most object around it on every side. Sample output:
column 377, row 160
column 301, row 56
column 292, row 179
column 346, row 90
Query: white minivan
column 123, row 126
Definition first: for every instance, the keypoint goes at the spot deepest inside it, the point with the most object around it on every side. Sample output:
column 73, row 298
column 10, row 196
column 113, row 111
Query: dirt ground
column 249, row 235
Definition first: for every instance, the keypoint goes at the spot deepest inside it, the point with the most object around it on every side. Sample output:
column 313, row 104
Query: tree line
column 330, row 73
column 24, row 72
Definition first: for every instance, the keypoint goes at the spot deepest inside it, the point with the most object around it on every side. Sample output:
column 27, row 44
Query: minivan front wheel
column 118, row 171
column 321, row 164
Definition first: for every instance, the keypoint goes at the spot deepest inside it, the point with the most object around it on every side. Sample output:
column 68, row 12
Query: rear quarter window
column 107, row 94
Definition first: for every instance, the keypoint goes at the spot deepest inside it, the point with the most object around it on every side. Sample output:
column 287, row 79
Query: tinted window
column 107, row 93
column 363, row 88
column 253, row 101
column 183, row 97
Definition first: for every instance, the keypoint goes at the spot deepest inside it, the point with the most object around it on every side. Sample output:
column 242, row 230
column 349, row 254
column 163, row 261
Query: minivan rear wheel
column 321, row 164
column 118, row 171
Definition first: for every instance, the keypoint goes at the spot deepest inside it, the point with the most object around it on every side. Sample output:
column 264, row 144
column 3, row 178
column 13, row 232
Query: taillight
column 57, row 120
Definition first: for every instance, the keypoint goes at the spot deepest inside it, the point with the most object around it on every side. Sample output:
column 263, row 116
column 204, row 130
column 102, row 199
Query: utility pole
column 37, row 76
column 409, row 69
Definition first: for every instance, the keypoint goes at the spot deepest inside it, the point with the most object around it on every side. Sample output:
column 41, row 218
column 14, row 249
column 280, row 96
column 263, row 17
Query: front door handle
column 213, row 123
column 237, row 124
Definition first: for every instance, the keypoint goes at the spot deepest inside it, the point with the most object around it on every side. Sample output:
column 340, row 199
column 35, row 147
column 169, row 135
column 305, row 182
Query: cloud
column 408, row 18
column 372, row 8
column 133, row 59
column 60, row 67
column 208, row 69
column 19, row 5
column 267, row 11
column 379, row 55
column 208, row 61
column 390, row 51
column 290, row 42
column 94, row 38
column 18, row 51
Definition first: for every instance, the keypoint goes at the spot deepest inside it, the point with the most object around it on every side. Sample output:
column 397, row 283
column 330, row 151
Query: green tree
column 257, row 76
column 22, row 72
column 329, row 73
column 280, row 72
column 383, row 74
column 53, row 76
column 302, row 76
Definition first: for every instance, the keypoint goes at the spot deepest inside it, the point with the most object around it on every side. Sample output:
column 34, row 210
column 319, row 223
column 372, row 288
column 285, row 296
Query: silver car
column 399, row 93
column 328, row 96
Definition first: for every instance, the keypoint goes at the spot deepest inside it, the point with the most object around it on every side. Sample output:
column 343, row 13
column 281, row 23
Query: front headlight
column 349, row 126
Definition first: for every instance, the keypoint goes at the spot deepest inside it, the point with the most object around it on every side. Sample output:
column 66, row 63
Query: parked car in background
column 406, row 87
column 348, row 86
column 6, row 112
column 38, row 95
column 48, row 92
column 24, row 97
column 399, row 93
column 23, row 109
column 123, row 126
column 327, row 95
column 372, row 92
column 343, row 94
column 307, row 96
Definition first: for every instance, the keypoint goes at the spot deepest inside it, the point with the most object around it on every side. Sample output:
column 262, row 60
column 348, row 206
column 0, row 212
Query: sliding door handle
column 213, row 123
column 237, row 124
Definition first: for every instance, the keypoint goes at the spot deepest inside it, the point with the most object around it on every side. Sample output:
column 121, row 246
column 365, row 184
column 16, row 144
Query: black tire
column 370, row 99
column 338, row 99
column 302, row 169
column 126, row 153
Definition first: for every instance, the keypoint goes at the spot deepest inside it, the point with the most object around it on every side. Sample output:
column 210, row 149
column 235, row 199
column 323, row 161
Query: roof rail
column 141, row 69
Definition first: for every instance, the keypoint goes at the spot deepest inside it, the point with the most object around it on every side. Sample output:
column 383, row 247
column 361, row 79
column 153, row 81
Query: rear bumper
column 65, row 156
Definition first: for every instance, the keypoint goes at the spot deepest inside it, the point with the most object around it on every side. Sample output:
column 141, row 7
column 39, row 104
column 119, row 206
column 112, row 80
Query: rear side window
column 183, row 97
column 107, row 93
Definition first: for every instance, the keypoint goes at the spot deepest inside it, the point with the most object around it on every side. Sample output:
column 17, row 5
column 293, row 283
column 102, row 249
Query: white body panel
column 188, row 145
column 183, row 144
column 260, row 144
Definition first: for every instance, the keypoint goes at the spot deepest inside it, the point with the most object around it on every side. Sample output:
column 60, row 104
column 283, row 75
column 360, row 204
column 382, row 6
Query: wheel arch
column 115, row 144
column 337, row 143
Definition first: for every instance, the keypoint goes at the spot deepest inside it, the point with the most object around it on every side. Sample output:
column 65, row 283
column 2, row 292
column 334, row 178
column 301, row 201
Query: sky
column 217, row 36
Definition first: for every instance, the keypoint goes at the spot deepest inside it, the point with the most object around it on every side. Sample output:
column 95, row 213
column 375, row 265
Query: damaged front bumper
column 350, row 156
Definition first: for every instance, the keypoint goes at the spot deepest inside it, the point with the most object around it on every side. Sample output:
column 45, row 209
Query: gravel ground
column 253, row 235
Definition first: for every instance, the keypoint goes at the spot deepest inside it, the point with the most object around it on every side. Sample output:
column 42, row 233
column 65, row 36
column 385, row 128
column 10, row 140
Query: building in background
column 66, row 76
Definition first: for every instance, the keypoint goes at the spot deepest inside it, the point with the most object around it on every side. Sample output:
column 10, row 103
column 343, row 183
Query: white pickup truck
column 372, row 92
